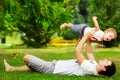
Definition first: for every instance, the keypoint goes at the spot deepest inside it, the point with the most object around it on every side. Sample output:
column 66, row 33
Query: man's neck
column 98, row 68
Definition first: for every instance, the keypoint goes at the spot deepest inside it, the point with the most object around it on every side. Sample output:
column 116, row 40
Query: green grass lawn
column 51, row 54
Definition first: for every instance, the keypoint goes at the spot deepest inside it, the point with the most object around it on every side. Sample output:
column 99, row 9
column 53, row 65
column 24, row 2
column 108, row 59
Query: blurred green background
column 32, row 26
column 35, row 23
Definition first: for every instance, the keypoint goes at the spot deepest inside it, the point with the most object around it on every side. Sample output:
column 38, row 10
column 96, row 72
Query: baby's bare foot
column 62, row 26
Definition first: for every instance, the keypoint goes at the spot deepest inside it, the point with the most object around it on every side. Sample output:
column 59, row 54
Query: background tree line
column 108, row 16
column 38, row 20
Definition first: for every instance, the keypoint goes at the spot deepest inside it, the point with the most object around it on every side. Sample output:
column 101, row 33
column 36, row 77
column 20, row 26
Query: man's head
column 106, row 67
column 110, row 34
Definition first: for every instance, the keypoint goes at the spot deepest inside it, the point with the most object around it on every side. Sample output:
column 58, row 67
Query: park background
column 32, row 26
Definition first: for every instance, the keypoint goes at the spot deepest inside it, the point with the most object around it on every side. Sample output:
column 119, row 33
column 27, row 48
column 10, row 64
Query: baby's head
column 110, row 34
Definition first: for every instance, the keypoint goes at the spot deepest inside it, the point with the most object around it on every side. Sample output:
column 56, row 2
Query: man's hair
column 110, row 70
column 111, row 30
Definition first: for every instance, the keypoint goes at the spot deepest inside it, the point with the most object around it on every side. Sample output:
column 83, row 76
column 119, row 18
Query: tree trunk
column 3, row 40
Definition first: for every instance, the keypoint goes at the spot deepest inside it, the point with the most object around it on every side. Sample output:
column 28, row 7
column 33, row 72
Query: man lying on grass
column 79, row 66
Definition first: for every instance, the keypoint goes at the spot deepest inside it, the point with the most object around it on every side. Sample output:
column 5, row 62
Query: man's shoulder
column 90, row 61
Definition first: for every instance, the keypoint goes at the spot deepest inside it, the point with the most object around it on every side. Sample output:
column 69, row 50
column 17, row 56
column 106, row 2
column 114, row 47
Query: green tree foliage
column 37, row 20
column 67, row 33
column 8, row 24
column 1, row 14
column 107, row 12
column 40, row 20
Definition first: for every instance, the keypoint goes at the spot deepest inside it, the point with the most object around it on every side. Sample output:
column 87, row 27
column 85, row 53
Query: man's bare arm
column 89, row 50
column 78, row 50
column 94, row 18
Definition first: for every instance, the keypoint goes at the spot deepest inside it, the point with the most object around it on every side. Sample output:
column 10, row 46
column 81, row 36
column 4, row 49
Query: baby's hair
column 111, row 30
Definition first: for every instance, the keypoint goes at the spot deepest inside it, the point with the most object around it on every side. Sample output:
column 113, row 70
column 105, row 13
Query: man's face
column 105, row 62
column 109, row 36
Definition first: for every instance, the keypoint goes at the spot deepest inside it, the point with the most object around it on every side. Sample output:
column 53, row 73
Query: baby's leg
column 65, row 25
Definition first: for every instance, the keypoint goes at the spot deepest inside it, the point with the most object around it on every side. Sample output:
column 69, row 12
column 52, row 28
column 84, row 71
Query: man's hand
column 90, row 34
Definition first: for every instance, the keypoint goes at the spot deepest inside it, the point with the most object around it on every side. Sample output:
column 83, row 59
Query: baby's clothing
column 82, row 29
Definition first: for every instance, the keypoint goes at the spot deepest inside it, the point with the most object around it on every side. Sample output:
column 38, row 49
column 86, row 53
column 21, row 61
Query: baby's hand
column 94, row 17
column 93, row 39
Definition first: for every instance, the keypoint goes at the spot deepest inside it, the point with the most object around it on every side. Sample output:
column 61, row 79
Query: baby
column 106, row 35
column 99, row 35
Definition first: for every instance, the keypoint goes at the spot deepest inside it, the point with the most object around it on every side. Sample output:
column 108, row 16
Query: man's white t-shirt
column 71, row 67
column 98, row 36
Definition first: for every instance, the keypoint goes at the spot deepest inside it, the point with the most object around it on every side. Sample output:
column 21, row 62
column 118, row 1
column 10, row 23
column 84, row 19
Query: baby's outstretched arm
column 94, row 18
